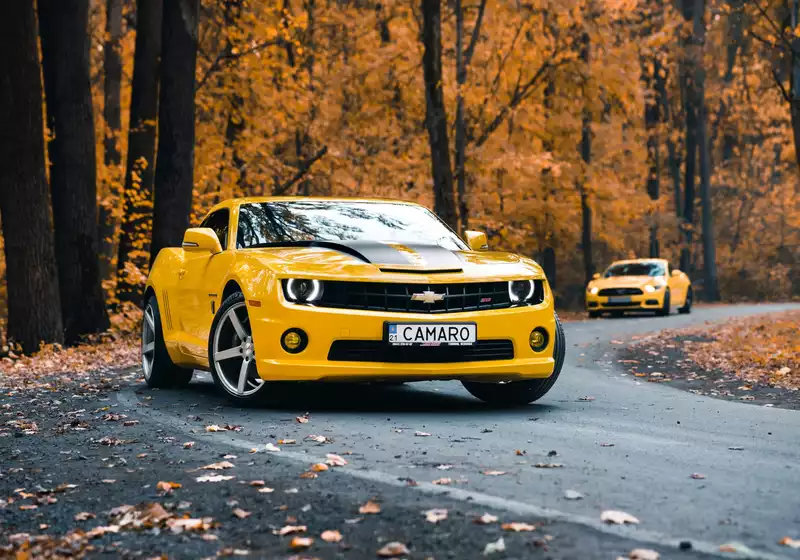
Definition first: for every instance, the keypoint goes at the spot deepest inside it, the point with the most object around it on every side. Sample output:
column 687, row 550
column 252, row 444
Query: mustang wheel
column 665, row 309
column 687, row 305
column 594, row 314
column 231, row 353
column 518, row 393
column 159, row 371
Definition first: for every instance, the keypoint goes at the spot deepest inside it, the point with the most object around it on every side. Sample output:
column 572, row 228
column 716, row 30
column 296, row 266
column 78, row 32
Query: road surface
column 625, row 445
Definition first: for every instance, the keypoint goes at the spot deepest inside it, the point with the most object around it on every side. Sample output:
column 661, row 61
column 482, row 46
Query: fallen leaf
column 435, row 515
column 698, row 476
column 443, row 481
column 335, row 460
column 485, row 519
column 290, row 529
column 287, row 441
column 494, row 547
column 213, row 478
column 188, row 445
column 167, row 487
column 309, row 475
column 370, row 507
column 393, row 549
column 266, row 490
column 218, row 466
column 28, row 507
column 444, row 467
column 618, row 517
column 108, row 480
column 518, row 527
column 84, row 516
column 214, row 428
column 641, row 554
column 421, row 434
column 573, row 495
column 548, row 465
column 331, row 536
column 230, row 456
column 302, row 419
column 299, row 543
column 790, row 542
column 257, row 483
column 253, row 450
column 319, row 467
column 189, row 524
column 240, row 513
column 494, row 473
column 520, row 453
column 271, row 447
column 318, row 439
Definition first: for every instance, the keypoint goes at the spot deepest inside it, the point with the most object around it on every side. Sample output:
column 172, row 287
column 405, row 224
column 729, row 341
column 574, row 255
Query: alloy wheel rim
column 148, row 341
column 234, row 353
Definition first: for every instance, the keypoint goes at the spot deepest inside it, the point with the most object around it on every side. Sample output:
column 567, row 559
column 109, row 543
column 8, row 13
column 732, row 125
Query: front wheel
column 687, row 305
column 594, row 314
column 664, row 311
column 519, row 393
column 231, row 354
column 159, row 371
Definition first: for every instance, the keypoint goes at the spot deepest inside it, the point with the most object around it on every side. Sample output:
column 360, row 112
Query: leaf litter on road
column 518, row 527
column 435, row 515
column 641, row 554
column 331, row 536
column 485, row 519
column 494, row 547
column 393, row 550
column 618, row 517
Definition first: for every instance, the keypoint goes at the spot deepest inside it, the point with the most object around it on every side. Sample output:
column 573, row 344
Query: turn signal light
column 538, row 339
column 294, row 340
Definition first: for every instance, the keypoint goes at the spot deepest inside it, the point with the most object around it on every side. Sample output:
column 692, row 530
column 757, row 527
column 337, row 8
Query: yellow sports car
column 639, row 285
column 302, row 289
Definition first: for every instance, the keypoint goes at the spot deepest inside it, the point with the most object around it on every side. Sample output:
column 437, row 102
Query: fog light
column 538, row 339
column 294, row 340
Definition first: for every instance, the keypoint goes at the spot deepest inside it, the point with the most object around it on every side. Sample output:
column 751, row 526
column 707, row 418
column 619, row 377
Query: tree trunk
column 461, row 132
column 652, row 120
column 134, row 243
column 794, row 94
column 673, row 158
column 435, row 114
column 691, row 60
column 586, row 156
column 107, row 208
column 63, row 28
column 174, row 180
column 34, row 310
column 710, row 284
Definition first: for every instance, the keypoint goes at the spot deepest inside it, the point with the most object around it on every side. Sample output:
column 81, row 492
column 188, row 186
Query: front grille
column 620, row 292
column 380, row 351
column 382, row 296
column 622, row 304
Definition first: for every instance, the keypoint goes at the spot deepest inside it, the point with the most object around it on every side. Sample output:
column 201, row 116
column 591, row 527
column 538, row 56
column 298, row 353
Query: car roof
column 257, row 199
column 630, row 261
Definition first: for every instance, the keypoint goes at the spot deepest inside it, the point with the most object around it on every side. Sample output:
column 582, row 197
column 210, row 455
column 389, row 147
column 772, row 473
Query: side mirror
column 676, row 272
column 595, row 276
column 476, row 240
column 201, row 240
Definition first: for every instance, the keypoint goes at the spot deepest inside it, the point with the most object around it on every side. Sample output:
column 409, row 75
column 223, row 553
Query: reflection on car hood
column 383, row 261
column 625, row 281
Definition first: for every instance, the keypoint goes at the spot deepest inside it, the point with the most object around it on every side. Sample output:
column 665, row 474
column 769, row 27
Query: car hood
column 376, row 261
column 624, row 281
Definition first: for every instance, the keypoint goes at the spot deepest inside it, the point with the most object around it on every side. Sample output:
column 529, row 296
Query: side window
column 218, row 221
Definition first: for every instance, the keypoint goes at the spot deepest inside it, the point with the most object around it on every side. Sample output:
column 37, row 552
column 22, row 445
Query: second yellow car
column 639, row 285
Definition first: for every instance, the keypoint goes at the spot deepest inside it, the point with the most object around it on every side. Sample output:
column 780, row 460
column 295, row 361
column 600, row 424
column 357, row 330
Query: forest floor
column 750, row 359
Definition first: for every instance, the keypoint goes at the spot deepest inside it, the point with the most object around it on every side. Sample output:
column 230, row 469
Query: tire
column 687, row 305
column 159, row 370
column 236, row 374
column 617, row 314
column 665, row 309
column 520, row 393
column 594, row 314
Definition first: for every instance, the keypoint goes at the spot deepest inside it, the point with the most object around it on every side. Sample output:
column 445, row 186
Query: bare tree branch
column 476, row 31
column 303, row 169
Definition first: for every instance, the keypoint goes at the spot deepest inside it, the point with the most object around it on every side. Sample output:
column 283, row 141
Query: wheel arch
column 231, row 287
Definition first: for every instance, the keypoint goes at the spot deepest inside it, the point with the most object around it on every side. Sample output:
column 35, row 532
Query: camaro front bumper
column 644, row 302
column 499, row 328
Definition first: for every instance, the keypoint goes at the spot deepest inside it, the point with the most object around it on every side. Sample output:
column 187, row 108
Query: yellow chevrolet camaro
column 317, row 289
column 639, row 285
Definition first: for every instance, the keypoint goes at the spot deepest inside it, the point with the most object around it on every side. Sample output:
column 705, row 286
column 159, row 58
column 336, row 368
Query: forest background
column 572, row 131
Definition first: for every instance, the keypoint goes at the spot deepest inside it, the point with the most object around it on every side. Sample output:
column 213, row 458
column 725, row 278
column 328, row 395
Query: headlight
column 650, row 288
column 593, row 290
column 521, row 290
column 303, row 291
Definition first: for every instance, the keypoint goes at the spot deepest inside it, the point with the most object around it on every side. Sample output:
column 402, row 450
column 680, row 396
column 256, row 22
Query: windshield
column 635, row 269
column 275, row 223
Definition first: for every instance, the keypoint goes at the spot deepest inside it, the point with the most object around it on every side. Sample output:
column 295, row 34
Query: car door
column 677, row 288
column 198, row 283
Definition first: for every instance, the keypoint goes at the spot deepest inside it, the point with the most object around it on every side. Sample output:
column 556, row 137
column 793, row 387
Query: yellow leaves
column 370, row 507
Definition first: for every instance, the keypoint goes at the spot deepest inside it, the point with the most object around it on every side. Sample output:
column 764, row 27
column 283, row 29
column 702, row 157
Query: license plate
column 619, row 299
column 432, row 334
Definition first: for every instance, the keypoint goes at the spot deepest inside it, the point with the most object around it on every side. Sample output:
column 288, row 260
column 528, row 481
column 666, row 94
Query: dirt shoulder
column 753, row 359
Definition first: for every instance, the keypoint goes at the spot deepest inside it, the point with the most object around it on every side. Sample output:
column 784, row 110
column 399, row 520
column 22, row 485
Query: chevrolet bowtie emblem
column 427, row 297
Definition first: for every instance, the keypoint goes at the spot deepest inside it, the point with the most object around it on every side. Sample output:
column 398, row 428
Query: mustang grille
column 620, row 292
column 380, row 351
column 622, row 304
column 381, row 296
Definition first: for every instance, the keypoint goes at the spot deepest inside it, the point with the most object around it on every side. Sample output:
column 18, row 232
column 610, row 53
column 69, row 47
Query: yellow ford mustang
column 301, row 289
column 639, row 285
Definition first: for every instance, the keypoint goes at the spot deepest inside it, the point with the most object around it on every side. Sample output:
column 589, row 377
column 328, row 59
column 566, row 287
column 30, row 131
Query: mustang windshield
column 267, row 224
column 635, row 269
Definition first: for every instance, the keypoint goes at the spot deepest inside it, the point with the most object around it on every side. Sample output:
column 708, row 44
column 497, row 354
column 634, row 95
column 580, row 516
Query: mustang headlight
column 593, row 290
column 650, row 288
column 302, row 290
column 521, row 290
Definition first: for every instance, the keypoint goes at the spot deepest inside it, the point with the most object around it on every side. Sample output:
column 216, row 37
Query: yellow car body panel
column 191, row 286
column 677, row 282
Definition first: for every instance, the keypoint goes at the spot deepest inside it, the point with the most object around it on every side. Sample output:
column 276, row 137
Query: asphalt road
column 623, row 444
